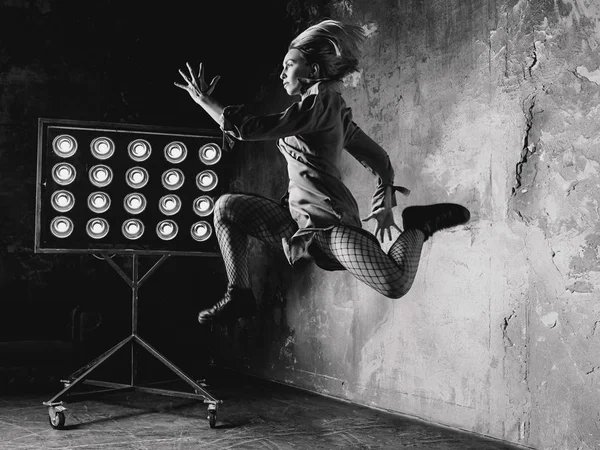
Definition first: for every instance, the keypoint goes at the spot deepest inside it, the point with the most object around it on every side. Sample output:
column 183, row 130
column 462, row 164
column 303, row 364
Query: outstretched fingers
column 188, row 82
column 195, row 84
column 192, row 80
column 213, row 85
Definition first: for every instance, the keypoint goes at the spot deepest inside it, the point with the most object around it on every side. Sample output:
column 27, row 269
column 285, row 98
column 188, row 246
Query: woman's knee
column 396, row 287
column 224, row 207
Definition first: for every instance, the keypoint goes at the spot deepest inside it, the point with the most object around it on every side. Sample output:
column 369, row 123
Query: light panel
column 103, row 188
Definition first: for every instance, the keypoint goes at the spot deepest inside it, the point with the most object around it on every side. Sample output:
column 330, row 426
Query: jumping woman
column 318, row 218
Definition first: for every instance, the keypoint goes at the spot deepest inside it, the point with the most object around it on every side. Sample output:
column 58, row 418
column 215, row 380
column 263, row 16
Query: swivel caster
column 212, row 415
column 56, row 417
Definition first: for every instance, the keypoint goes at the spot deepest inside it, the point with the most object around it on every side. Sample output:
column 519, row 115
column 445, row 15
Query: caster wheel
column 212, row 418
column 58, row 421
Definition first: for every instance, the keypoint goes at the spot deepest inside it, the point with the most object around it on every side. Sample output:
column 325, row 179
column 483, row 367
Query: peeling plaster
column 370, row 29
column 550, row 319
column 353, row 80
column 593, row 76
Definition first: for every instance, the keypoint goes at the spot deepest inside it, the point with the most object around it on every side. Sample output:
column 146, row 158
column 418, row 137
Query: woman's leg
column 238, row 216
column 390, row 274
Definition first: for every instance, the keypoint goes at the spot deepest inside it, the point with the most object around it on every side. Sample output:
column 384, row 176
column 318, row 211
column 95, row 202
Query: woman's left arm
column 375, row 159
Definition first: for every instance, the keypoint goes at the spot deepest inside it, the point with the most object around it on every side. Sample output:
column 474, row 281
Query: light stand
column 56, row 406
column 133, row 190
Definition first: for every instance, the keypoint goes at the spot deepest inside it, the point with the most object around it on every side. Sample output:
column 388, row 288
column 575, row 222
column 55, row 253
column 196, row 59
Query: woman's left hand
column 385, row 222
column 195, row 84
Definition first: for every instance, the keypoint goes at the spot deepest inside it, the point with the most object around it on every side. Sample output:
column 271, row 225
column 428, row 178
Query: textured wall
column 492, row 104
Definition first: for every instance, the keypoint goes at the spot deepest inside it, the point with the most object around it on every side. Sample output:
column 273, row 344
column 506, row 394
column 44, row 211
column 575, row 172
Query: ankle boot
column 432, row 218
column 237, row 302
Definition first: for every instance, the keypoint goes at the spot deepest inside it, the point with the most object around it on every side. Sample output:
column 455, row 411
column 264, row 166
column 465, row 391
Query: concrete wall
column 495, row 105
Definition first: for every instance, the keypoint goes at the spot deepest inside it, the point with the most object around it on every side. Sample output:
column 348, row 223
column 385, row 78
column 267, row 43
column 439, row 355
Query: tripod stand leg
column 82, row 373
column 197, row 388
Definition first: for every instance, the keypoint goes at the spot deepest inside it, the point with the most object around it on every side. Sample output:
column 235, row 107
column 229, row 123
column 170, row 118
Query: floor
column 255, row 414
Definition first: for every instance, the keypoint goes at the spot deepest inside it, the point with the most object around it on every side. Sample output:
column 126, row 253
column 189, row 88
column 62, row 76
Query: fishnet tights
column 238, row 216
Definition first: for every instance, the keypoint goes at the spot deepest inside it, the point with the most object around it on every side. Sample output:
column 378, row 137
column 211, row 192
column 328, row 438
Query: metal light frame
column 176, row 135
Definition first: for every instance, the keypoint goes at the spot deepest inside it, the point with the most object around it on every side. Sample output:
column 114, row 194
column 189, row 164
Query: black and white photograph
column 300, row 224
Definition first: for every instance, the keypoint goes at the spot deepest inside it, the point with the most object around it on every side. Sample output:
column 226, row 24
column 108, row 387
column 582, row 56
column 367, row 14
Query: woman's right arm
column 200, row 92
column 311, row 114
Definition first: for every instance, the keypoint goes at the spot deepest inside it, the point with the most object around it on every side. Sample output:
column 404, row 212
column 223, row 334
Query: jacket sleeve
column 308, row 115
column 375, row 159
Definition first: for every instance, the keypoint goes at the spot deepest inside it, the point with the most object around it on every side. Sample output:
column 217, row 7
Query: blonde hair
column 334, row 46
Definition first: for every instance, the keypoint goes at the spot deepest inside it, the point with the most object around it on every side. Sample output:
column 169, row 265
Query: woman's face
column 294, row 67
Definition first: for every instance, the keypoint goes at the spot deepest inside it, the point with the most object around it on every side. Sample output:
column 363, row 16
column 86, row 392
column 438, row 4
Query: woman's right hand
column 195, row 84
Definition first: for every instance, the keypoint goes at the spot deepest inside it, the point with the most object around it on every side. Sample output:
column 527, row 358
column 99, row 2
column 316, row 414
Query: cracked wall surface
column 495, row 105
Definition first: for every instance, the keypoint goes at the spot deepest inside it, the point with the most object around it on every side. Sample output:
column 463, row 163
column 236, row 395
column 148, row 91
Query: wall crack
column 534, row 62
column 504, row 327
column 529, row 148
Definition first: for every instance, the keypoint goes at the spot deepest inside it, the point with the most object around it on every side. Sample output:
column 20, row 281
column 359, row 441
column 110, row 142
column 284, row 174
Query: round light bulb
column 98, row 201
column 137, row 177
column 103, row 147
column 167, row 228
column 97, row 227
column 62, row 226
column 170, row 204
column 65, row 145
column 206, row 180
column 139, row 149
column 175, row 152
column 62, row 200
column 101, row 175
column 210, row 153
column 64, row 173
column 133, row 228
column 173, row 178
column 204, row 205
column 135, row 202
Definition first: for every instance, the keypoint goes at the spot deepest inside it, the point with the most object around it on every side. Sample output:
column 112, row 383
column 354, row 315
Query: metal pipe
column 176, row 370
column 134, row 317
